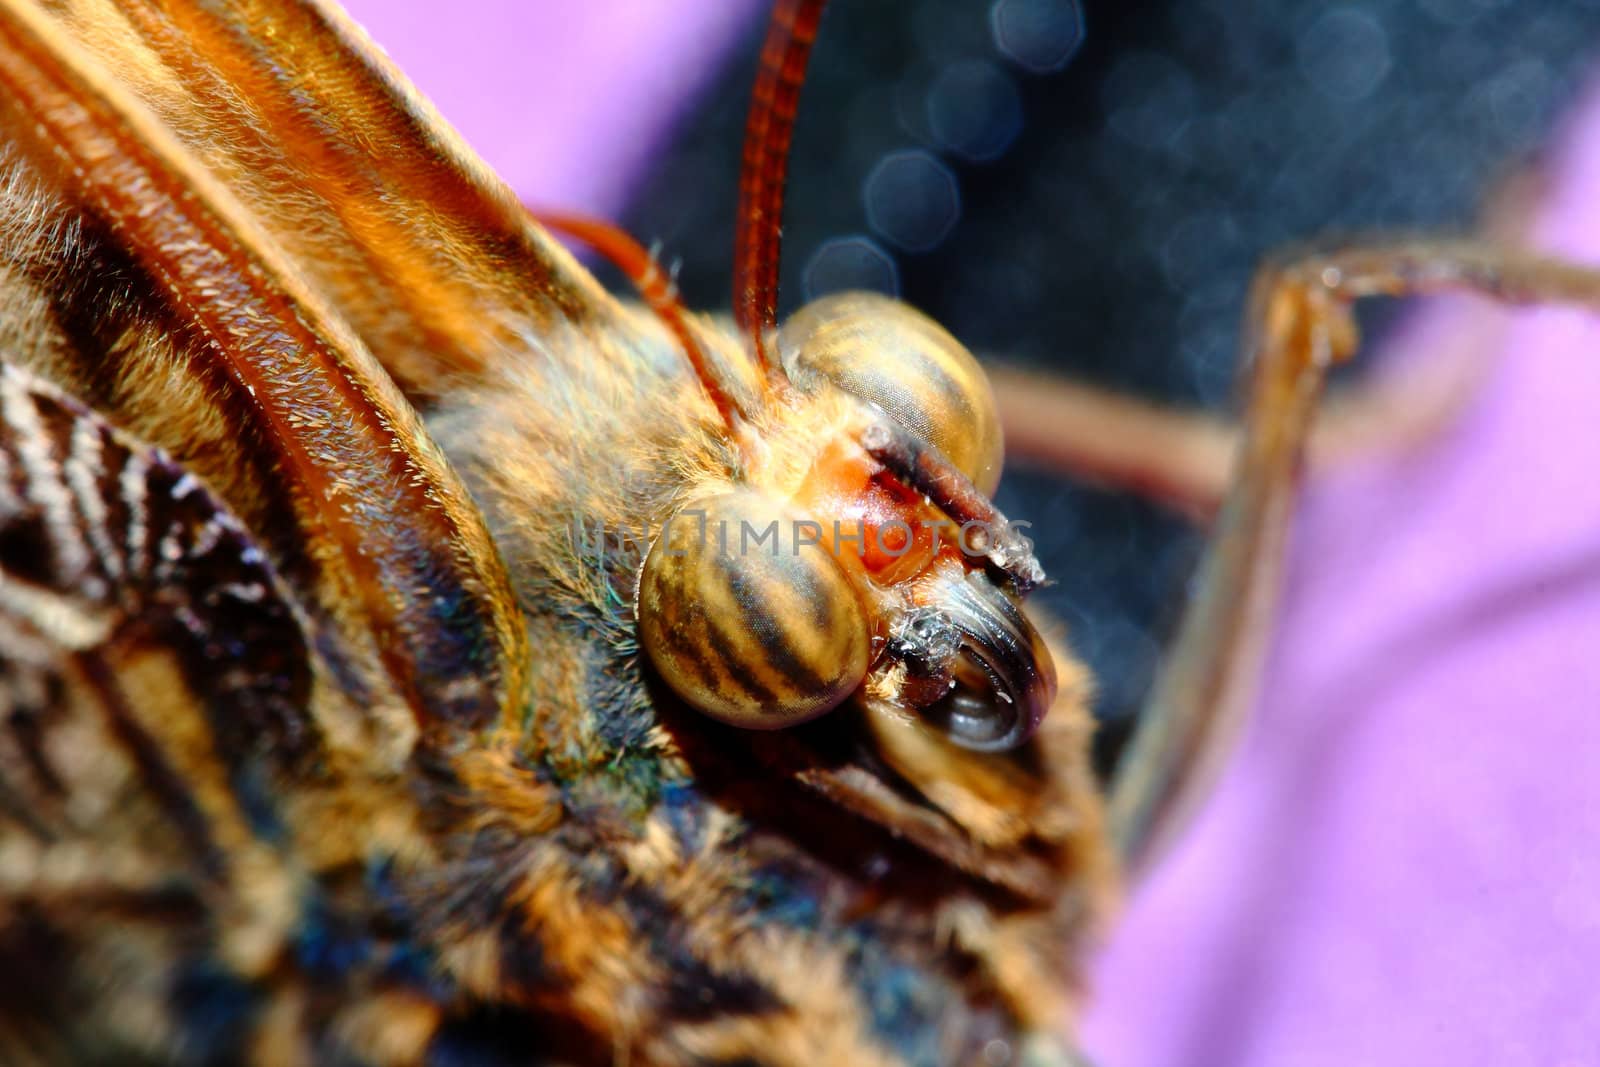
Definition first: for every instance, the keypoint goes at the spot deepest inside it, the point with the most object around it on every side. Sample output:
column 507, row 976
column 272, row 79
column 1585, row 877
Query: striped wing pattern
column 154, row 679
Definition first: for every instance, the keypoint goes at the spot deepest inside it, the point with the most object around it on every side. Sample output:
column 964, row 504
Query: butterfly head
column 858, row 556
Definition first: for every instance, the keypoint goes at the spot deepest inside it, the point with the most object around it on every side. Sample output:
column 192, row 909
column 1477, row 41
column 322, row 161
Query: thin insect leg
column 1176, row 458
column 1183, row 459
column 1299, row 325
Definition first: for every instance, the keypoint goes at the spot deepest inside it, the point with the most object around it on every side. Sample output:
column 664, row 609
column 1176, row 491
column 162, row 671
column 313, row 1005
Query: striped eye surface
column 899, row 360
column 747, row 616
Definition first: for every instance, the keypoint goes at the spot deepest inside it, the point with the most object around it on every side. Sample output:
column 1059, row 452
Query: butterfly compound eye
column 748, row 616
column 904, row 363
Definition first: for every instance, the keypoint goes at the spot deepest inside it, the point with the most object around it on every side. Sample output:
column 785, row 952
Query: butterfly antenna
column 767, row 135
column 657, row 288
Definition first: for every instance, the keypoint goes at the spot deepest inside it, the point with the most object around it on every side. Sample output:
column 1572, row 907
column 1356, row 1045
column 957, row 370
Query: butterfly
column 373, row 689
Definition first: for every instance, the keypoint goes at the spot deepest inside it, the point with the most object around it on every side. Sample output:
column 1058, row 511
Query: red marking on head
column 876, row 523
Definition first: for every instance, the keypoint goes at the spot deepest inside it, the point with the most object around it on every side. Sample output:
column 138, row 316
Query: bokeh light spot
column 1344, row 54
column 912, row 200
column 974, row 110
column 851, row 262
column 1040, row 36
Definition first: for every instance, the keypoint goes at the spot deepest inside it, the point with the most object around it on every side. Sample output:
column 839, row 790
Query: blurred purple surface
column 1400, row 866
column 566, row 100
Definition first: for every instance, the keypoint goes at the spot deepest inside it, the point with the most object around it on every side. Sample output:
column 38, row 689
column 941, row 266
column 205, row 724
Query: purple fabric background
column 1400, row 867
column 564, row 98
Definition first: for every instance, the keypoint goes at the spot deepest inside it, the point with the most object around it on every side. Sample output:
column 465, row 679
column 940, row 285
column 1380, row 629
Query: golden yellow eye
column 897, row 358
column 748, row 616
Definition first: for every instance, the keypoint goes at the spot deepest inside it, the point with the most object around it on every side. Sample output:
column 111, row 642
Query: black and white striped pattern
column 104, row 541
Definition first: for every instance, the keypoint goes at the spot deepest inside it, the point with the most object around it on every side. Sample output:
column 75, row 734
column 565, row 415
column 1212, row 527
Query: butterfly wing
column 143, row 281
column 237, row 582
column 425, row 253
column 155, row 679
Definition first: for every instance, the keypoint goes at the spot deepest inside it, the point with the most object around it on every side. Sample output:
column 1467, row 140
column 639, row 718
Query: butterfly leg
column 1183, row 459
column 1299, row 325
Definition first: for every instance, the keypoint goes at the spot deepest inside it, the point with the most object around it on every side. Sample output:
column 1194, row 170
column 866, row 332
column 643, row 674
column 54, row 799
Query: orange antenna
column 767, row 135
column 634, row 260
